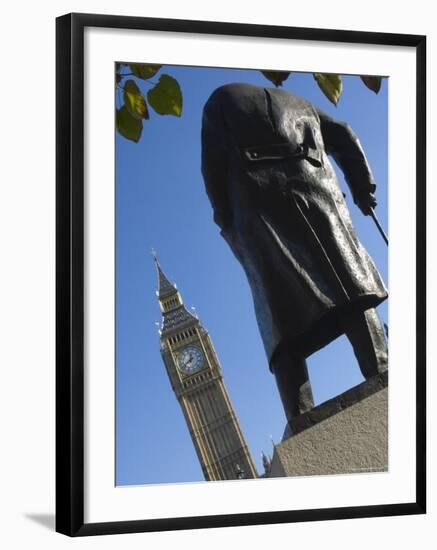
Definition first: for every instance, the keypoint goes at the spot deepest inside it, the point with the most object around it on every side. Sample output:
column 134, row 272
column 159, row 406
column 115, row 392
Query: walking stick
column 378, row 225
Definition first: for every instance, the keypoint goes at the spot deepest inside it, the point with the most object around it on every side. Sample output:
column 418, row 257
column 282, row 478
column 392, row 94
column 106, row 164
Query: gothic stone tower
column 196, row 378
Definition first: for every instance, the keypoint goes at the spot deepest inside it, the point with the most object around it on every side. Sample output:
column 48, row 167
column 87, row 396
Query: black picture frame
column 70, row 273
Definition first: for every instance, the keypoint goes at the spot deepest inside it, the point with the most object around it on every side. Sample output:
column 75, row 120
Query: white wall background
column 27, row 282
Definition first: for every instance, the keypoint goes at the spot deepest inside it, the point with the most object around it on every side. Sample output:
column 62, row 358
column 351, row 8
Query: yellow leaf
column 276, row 77
column 166, row 97
column 127, row 125
column 331, row 85
column 134, row 100
column 144, row 71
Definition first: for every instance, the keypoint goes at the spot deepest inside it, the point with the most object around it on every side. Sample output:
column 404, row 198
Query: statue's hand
column 366, row 203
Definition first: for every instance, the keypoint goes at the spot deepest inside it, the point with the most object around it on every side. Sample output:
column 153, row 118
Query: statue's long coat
column 279, row 205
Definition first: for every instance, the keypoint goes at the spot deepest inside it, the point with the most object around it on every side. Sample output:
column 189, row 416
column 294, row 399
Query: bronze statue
column 280, row 207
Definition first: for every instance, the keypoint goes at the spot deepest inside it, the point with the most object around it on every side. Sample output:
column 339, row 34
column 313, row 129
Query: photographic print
column 251, row 274
column 240, row 263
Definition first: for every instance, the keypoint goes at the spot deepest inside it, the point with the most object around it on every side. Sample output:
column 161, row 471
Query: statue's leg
column 366, row 334
column 293, row 383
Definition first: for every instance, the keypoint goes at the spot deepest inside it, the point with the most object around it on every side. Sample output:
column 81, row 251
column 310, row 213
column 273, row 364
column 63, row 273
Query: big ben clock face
column 191, row 360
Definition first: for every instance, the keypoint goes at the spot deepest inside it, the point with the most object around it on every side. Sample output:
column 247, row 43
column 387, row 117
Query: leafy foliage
column 165, row 97
column 330, row 84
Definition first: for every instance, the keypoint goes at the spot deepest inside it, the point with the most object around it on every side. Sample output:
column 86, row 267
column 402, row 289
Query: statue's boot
column 293, row 383
column 366, row 334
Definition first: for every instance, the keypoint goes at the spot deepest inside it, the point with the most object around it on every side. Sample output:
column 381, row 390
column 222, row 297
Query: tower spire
column 174, row 313
column 165, row 287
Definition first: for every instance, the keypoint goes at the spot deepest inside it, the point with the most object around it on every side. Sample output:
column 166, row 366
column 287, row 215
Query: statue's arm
column 215, row 162
column 342, row 143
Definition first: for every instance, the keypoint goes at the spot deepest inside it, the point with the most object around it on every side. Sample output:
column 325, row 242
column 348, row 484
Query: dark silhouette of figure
column 279, row 206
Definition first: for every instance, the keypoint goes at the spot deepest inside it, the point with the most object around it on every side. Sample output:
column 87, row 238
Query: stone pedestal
column 347, row 434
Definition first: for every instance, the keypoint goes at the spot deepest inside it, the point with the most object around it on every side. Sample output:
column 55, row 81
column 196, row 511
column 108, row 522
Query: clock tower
column 196, row 378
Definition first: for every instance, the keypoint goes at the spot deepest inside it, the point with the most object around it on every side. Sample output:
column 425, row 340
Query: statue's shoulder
column 234, row 93
column 243, row 95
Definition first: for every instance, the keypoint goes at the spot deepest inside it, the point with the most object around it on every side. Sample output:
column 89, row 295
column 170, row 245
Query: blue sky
column 161, row 203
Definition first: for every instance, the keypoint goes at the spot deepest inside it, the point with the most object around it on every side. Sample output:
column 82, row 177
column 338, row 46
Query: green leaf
column 143, row 71
column 134, row 100
column 372, row 82
column 276, row 77
column 127, row 125
column 331, row 85
column 166, row 97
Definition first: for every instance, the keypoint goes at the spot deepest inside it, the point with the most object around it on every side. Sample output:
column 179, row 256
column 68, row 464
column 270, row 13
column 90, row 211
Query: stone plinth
column 346, row 434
